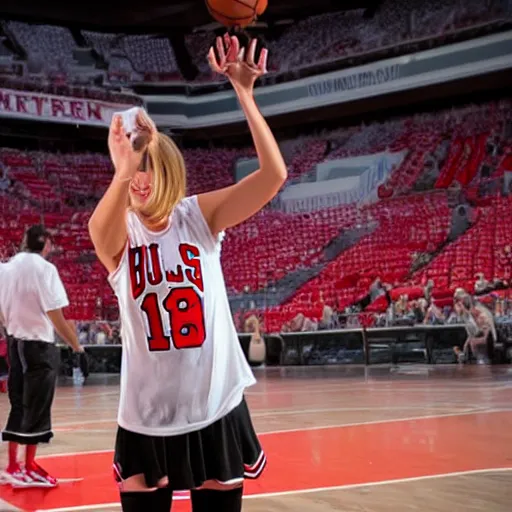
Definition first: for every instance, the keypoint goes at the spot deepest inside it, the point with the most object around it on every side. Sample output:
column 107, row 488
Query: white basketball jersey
column 182, row 365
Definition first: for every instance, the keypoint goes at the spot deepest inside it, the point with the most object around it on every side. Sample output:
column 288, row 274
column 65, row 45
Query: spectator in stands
column 486, row 323
column 434, row 316
column 481, row 284
column 403, row 312
column 101, row 337
column 419, row 310
column 377, row 289
column 428, row 290
column 480, row 327
column 506, row 256
column 83, row 334
column 499, row 310
column 352, row 321
column 499, row 284
column 327, row 320
column 454, row 316
column 300, row 323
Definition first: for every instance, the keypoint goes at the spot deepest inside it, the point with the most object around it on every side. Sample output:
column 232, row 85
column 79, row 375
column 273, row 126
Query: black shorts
column 227, row 451
column 31, row 386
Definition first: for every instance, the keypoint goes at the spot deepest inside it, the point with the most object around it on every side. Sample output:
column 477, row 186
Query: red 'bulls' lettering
column 175, row 277
column 195, row 277
column 155, row 275
column 146, row 268
column 182, row 305
column 137, row 260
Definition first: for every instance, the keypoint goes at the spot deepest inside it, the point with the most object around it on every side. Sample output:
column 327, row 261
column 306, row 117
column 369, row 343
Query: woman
column 183, row 421
column 480, row 328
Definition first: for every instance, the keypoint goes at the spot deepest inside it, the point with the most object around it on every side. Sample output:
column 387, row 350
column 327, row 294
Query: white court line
column 288, row 412
column 380, row 386
column 469, row 412
column 431, row 392
column 374, row 386
column 316, row 489
column 379, row 482
column 307, row 411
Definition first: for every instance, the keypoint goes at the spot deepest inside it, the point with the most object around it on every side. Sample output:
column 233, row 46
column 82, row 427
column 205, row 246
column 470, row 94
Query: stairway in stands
column 281, row 290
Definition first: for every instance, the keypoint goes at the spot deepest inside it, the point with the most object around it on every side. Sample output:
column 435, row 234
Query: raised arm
column 107, row 225
column 232, row 205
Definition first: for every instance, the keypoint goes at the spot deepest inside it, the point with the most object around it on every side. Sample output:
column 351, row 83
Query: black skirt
column 226, row 451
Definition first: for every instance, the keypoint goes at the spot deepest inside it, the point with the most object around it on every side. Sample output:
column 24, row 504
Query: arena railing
column 427, row 344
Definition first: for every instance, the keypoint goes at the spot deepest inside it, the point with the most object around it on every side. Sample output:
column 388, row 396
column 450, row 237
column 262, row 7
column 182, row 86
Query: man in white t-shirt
column 31, row 300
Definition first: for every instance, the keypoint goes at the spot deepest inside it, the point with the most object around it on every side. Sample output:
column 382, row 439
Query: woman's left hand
column 233, row 63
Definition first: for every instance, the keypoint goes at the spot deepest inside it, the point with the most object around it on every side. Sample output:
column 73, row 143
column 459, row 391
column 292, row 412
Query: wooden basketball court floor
column 381, row 439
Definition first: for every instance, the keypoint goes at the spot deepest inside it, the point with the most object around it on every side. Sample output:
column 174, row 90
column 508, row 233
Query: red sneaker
column 17, row 477
column 39, row 477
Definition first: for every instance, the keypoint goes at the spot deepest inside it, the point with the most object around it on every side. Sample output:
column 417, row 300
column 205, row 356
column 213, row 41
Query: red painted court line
column 316, row 458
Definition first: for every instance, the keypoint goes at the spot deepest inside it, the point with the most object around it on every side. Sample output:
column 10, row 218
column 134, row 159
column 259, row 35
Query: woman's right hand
column 126, row 161
column 124, row 157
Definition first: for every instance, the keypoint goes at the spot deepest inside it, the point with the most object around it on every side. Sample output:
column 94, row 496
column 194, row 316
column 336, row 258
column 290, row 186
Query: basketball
column 236, row 13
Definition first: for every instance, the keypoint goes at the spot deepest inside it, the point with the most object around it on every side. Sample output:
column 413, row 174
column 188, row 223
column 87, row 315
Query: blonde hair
column 169, row 178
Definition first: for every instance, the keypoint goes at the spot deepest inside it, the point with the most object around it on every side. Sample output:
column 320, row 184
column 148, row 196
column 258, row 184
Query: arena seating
column 272, row 244
column 198, row 45
column 211, row 169
column 54, row 46
column 482, row 249
column 407, row 221
column 405, row 226
column 346, row 34
column 147, row 56
column 310, row 41
column 50, row 44
column 151, row 56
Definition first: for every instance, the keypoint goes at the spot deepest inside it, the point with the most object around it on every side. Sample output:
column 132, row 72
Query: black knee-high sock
column 151, row 501
column 217, row 501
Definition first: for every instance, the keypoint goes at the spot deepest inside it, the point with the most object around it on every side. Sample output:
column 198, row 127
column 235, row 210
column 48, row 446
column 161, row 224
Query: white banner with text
column 62, row 109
